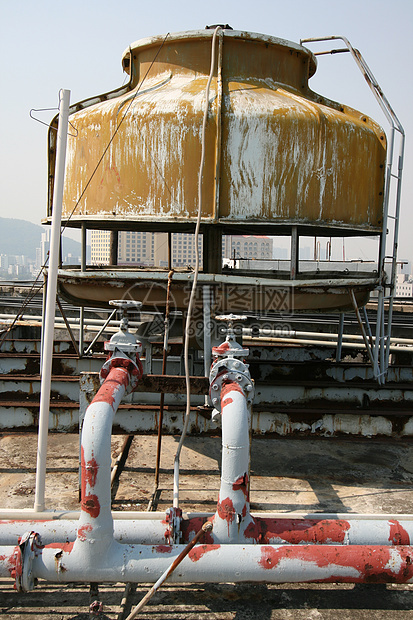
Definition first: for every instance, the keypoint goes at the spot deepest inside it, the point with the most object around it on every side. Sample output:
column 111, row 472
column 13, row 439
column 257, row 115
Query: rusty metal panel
column 231, row 293
column 276, row 152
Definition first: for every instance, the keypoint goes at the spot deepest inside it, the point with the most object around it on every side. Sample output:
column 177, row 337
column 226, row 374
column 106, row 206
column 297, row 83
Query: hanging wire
column 32, row 292
column 195, row 280
column 48, row 124
column 114, row 134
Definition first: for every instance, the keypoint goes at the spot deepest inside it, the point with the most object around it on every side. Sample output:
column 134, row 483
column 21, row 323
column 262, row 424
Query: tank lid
column 207, row 33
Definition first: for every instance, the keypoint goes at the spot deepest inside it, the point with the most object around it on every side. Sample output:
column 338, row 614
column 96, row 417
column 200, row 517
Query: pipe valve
column 227, row 366
column 123, row 347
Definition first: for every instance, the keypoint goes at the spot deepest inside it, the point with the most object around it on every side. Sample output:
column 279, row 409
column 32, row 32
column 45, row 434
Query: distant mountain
column 22, row 237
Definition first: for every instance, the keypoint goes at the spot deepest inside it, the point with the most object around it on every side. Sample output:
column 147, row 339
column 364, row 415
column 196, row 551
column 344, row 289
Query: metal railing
column 391, row 211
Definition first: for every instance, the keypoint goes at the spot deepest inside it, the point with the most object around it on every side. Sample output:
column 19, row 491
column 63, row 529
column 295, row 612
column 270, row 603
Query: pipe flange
column 120, row 360
column 228, row 363
column 228, row 376
column 28, row 547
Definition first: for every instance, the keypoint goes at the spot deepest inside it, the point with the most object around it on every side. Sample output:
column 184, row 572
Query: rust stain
column 200, row 550
column 164, row 548
column 91, row 472
column 65, row 547
column 242, row 484
column 398, row 535
column 373, row 564
column 225, row 510
column 83, row 530
column 90, row 504
column 192, row 526
column 297, row 531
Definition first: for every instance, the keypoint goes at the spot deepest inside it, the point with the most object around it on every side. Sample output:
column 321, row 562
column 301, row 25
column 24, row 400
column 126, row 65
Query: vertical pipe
column 96, row 522
column 233, row 512
column 114, row 244
column 46, row 372
column 363, row 332
column 295, row 243
column 379, row 330
column 169, row 251
column 82, row 310
column 43, row 315
column 83, row 248
column 207, row 302
column 164, row 359
column 340, row 337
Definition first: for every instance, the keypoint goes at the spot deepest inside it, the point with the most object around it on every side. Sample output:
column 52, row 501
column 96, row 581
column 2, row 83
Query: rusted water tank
column 276, row 153
column 280, row 160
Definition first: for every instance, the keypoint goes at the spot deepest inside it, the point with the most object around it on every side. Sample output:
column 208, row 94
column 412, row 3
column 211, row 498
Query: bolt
column 215, row 386
column 238, row 377
column 248, row 387
column 225, row 377
column 237, row 364
column 214, row 401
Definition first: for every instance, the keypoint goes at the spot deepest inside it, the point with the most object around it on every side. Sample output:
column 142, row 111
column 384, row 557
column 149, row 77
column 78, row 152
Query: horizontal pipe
column 247, row 332
column 262, row 530
column 222, row 563
column 329, row 336
column 332, row 343
column 29, row 515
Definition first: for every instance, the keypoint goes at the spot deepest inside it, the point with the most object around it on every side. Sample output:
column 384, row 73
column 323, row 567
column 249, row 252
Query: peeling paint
column 200, row 550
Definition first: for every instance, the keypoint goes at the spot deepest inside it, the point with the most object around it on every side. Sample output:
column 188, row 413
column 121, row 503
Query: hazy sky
column 48, row 45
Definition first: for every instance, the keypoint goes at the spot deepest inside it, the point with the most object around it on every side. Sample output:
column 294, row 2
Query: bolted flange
column 227, row 367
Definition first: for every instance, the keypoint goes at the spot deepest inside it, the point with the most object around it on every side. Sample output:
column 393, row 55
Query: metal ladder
column 380, row 348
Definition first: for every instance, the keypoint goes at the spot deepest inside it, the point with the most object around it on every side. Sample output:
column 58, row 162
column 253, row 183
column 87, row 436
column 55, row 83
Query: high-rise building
column 247, row 246
column 100, row 247
column 151, row 249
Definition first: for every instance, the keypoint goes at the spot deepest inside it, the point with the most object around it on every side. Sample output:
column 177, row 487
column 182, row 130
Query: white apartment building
column 404, row 285
column 146, row 248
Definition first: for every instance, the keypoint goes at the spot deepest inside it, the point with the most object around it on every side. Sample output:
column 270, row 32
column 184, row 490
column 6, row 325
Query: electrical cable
column 114, row 135
column 195, row 280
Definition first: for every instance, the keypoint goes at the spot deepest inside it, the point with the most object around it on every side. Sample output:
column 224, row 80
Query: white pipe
column 325, row 343
column 294, row 334
column 233, row 516
column 28, row 515
column 95, row 522
column 47, row 353
column 276, row 531
column 144, row 532
column 207, row 302
column 225, row 563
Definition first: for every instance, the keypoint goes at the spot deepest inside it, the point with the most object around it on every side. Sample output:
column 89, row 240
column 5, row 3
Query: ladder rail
column 383, row 329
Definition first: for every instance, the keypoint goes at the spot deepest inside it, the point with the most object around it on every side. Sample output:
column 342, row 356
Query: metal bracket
column 27, row 549
column 174, row 520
